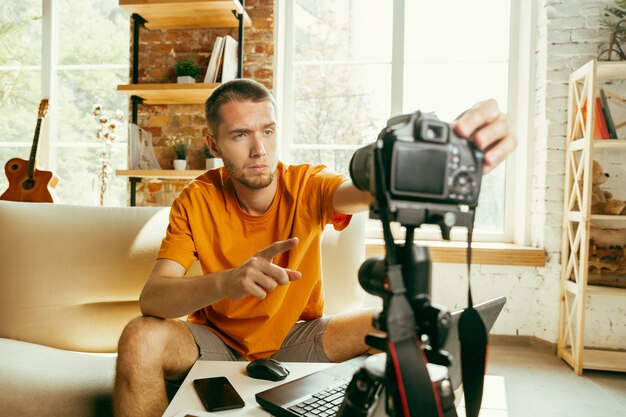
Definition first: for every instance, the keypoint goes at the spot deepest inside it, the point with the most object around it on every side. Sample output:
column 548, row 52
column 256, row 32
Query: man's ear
column 210, row 142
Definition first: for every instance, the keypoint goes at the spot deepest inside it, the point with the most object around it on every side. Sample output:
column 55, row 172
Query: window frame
column 520, row 104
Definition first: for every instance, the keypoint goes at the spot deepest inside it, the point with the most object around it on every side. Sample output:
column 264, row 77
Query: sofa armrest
column 342, row 255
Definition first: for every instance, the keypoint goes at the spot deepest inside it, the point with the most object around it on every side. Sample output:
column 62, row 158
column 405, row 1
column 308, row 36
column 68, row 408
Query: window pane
column 449, row 89
column 457, row 30
column 450, row 67
column 342, row 30
column 79, row 91
column 93, row 32
column 340, row 104
column 19, row 105
column 20, row 77
column 93, row 57
column 20, row 33
column 490, row 210
column 336, row 161
column 78, row 168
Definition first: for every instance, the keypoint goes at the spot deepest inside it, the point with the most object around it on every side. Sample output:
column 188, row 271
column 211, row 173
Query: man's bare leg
column 344, row 337
column 150, row 350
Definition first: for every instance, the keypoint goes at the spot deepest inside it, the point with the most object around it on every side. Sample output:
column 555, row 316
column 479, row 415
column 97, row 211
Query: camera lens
column 360, row 167
column 372, row 276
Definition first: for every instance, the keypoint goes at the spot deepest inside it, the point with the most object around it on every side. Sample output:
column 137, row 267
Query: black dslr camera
column 423, row 161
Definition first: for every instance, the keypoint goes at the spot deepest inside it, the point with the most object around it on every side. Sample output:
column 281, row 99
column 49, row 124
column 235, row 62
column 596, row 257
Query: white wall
column 567, row 35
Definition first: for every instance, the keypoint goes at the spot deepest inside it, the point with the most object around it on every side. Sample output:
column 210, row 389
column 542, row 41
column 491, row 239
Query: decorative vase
column 185, row 79
column 212, row 163
column 180, row 164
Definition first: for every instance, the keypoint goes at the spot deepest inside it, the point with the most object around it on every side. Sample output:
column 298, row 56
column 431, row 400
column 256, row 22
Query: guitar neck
column 33, row 150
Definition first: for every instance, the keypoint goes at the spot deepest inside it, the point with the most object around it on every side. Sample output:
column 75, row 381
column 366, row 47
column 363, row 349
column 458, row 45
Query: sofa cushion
column 70, row 276
column 43, row 381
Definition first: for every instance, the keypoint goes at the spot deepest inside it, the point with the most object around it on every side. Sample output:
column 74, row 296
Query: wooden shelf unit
column 187, row 14
column 179, row 14
column 176, row 14
column 577, row 220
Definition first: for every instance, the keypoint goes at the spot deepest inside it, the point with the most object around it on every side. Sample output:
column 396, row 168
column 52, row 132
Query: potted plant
column 180, row 147
column 186, row 71
column 616, row 25
column 211, row 161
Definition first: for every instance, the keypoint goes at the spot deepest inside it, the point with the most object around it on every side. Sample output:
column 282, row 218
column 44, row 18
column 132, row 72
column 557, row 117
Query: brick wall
column 159, row 51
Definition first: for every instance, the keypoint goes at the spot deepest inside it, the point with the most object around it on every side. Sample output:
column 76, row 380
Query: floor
column 537, row 384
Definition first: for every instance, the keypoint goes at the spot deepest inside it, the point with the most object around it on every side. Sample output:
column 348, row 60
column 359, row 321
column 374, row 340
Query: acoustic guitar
column 26, row 182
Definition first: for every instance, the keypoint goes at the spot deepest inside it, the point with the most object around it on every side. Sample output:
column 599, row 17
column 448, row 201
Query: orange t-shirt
column 206, row 223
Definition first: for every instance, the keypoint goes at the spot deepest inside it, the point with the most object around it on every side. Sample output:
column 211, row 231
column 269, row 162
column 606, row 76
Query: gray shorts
column 302, row 344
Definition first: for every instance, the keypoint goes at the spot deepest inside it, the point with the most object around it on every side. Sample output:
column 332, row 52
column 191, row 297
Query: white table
column 187, row 403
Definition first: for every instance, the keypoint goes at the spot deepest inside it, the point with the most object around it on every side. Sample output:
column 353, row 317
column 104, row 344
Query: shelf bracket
column 240, row 17
column 136, row 101
column 138, row 21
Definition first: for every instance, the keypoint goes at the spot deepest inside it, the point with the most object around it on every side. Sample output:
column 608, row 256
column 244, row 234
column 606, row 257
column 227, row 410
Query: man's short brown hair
column 241, row 89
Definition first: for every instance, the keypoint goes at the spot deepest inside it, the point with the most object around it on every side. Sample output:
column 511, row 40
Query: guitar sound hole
column 28, row 184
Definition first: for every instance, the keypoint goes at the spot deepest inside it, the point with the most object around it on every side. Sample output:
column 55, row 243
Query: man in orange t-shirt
column 255, row 227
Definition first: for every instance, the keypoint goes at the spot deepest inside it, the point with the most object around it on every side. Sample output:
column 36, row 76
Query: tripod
column 413, row 368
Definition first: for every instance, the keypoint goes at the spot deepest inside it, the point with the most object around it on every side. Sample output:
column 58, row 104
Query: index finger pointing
column 277, row 248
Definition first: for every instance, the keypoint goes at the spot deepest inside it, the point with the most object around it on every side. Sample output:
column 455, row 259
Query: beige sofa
column 70, row 277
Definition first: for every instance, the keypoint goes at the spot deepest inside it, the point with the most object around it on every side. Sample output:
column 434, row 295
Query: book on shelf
column 608, row 117
column 599, row 131
column 230, row 59
column 140, row 150
column 599, row 121
column 214, row 60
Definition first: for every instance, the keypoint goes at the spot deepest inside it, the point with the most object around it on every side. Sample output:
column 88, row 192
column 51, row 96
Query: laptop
column 324, row 389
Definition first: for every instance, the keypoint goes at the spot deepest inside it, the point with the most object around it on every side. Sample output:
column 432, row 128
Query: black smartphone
column 217, row 393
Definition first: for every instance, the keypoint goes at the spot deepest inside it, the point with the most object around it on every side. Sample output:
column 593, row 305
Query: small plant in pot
column 180, row 147
column 211, row 161
column 186, row 71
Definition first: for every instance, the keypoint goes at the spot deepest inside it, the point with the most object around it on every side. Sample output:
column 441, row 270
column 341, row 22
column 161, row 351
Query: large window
column 352, row 64
column 84, row 57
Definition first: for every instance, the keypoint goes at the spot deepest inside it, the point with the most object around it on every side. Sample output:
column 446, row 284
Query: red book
column 600, row 121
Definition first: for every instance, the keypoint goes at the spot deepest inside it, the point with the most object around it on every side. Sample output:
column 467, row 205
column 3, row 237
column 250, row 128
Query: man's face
column 246, row 142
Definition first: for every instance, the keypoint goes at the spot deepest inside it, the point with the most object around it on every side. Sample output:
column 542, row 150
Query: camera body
column 423, row 160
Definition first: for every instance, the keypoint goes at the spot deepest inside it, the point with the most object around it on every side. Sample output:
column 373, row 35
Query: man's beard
column 255, row 182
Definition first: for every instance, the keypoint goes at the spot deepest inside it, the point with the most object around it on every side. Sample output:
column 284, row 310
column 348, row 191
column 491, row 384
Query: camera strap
column 408, row 380
column 473, row 338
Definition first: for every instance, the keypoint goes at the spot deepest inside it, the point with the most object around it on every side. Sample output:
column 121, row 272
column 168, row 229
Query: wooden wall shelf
column 187, row 14
column 136, row 175
column 170, row 93
column 171, row 174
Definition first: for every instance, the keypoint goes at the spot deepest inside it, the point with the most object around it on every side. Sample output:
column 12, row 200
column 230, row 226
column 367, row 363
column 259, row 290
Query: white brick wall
column 568, row 33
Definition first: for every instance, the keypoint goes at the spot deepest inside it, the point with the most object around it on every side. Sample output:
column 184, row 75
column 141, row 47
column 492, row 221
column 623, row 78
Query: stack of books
column 604, row 125
column 223, row 61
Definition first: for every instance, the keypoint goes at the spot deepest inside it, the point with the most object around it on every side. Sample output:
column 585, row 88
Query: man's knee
column 143, row 339
column 142, row 333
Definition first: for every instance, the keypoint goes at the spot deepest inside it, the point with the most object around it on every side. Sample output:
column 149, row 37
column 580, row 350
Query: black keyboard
column 324, row 403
